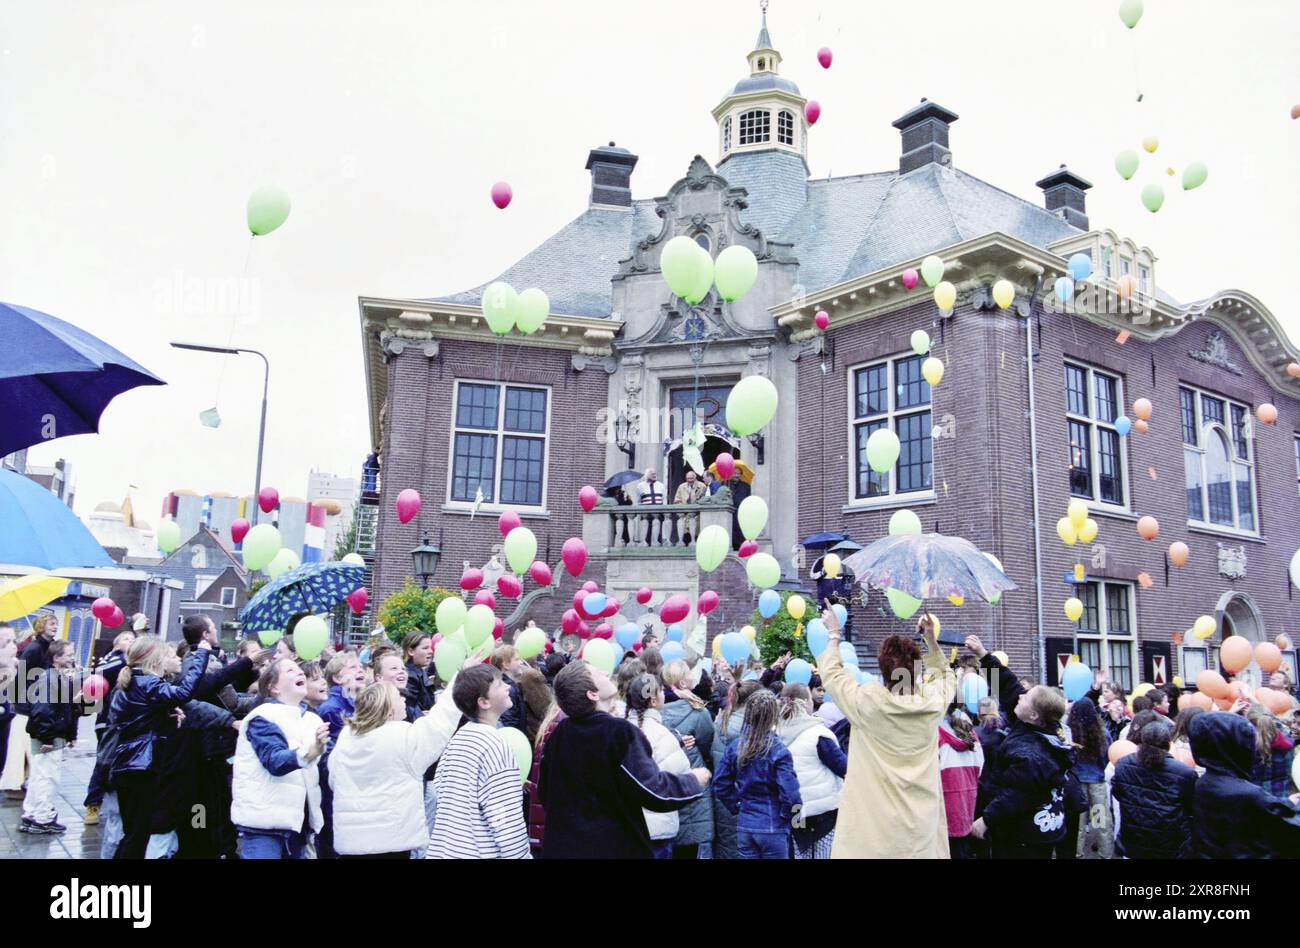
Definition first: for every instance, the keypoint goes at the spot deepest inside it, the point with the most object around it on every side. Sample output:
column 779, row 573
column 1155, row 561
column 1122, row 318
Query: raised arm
column 652, row 788
column 1010, row 688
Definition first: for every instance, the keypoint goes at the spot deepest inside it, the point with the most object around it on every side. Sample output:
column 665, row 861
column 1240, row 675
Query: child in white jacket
column 645, row 699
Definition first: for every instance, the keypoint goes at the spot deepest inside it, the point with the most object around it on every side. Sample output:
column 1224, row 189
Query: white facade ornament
column 1232, row 561
column 1216, row 353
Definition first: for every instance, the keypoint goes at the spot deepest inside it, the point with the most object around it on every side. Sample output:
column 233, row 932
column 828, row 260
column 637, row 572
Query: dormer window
column 1144, row 278
column 1107, row 266
column 785, row 128
column 726, row 134
column 755, row 127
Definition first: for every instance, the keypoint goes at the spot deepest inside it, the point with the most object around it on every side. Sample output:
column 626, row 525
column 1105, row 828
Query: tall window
column 1092, row 404
column 1218, row 460
column 755, row 127
column 505, row 421
column 1144, row 278
column 1107, row 266
column 892, row 394
column 726, row 133
column 1105, row 630
column 785, row 128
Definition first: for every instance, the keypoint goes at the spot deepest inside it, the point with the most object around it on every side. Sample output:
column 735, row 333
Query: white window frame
column 1144, row 279
column 754, row 126
column 1108, row 262
column 726, row 134
column 1203, row 431
column 1094, row 423
column 784, row 113
column 1104, row 636
column 499, row 433
column 892, row 498
column 233, row 593
column 200, row 587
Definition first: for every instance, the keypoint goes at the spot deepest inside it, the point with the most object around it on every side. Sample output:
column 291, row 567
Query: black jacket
column 35, row 655
column 596, row 775
column 53, row 713
column 1231, row 817
column 109, row 668
column 178, row 757
column 1155, row 808
column 142, row 711
column 514, row 715
column 1026, row 782
column 420, row 693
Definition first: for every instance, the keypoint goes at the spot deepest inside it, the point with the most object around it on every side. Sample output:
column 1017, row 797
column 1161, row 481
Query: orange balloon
column 1224, row 704
column 1202, row 701
column 1183, row 755
column 1293, row 369
column 1283, row 642
column 1295, row 111
column 1120, row 750
column 1278, row 702
column 1267, row 414
column 1178, row 553
column 1269, row 657
column 1211, row 683
column 1234, row 654
column 1237, row 690
column 1140, row 426
column 1142, row 409
column 1148, row 528
column 1185, row 701
column 1126, row 285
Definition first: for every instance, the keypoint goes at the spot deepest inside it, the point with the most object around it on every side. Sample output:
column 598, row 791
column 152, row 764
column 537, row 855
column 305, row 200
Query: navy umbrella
column 55, row 379
column 621, row 478
column 822, row 540
column 313, row 587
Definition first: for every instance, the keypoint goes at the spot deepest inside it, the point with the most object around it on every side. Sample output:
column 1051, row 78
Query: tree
column 781, row 633
column 411, row 609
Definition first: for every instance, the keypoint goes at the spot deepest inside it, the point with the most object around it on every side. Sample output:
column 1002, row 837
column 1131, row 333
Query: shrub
column 781, row 633
column 410, row 609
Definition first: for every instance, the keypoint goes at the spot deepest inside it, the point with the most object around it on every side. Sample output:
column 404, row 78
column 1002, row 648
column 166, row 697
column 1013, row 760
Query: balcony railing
column 669, row 529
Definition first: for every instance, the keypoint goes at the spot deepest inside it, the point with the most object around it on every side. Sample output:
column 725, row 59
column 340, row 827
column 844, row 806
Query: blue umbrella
column 622, row 478
column 822, row 540
column 55, row 379
column 37, row 529
column 313, row 587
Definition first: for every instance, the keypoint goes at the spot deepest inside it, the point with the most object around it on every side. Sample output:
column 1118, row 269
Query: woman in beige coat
column 892, row 803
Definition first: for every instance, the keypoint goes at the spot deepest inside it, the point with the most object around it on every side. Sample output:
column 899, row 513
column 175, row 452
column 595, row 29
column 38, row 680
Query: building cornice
column 757, row 96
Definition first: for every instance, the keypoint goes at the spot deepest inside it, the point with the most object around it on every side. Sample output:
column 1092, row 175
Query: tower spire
column 764, row 41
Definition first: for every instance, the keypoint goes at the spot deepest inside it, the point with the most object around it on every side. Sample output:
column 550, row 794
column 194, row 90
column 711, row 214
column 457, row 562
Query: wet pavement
column 80, row 841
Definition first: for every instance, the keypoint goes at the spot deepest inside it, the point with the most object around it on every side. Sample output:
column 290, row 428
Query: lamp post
column 622, row 441
column 424, row 560
column 266, row 381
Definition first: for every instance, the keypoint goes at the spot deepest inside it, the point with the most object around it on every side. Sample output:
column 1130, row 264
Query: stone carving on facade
column 1215, row 353
column 632, row 384
column 1232, row 561
column 581, row 360
column 395, row 343
column 760, row 357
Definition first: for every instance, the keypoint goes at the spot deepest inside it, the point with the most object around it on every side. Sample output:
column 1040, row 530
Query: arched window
column 785, row 128
column 755, row 127
column 702, row 238
column 726, row 134
column 762, row 63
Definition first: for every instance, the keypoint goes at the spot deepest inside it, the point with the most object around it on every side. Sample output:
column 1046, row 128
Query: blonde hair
column 374, row 707
column 147, row 655
column 338, row 663
column 504, row 656
column 1049, row 704
column 676, row 673
column 791, row 694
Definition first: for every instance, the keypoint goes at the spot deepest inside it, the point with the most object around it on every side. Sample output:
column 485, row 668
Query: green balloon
column 284, row 560
column 450, row 615
column 500, row 307
column 751, row 404
column 752, row 516
column 521, row 549
column 600, row 654
column 260, row 546
column 478, row 624
column 1126, row 163
column 920, row 342
column 517, row 741
column 735, row 270
column 448, row 657
column 530, row 642
column 681, row 265
column 354, row 559
column 1153, row 197
column 763, row 570
column 1130, row 11
column 1194, row 175
column 169, row 535
column 932, row 270
column 268, row 208
column 534, row 307
column 310, row 636
column 882, row 450
column 269, row 637
column 904, row 521
column 702, row 276
column 904, row 606
column 712, row 546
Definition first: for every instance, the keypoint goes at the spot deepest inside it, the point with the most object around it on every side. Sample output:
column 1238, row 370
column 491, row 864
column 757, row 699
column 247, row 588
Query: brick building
column 622, row 368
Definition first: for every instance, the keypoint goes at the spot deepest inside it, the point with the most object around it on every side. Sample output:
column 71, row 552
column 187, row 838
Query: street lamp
column 622, row 441
column 266, row 380
column 424, row 559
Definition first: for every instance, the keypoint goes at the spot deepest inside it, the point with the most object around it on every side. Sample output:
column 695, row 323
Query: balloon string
column 234, row 316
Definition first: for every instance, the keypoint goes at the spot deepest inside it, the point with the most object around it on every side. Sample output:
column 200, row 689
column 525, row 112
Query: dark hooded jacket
column 1155, row 808
column 1232, row 818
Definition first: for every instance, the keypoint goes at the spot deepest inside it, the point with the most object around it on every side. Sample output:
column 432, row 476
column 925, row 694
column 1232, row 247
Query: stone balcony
column 668, row 530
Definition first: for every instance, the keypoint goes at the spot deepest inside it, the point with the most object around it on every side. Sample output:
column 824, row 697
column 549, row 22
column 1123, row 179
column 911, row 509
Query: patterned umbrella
column 313, row 587
column 929, row 566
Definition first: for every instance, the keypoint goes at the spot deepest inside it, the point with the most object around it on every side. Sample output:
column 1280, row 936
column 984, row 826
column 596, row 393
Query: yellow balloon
column 1073, row 609
column 1178, row 681
column 1065, row 530
column 1151, row 143
column 1004, row 293
column 935, row 619
column 945, row 295
column 831, row 565
column 1079, row 572
column 748, row 632
column 1204, row 627
column 796, row 606
column 1078, row 512
column 717, row 646
column 932, row 369
column 957, row 600
column 1002, row 657
column 1142, row 689
column 1088, row 532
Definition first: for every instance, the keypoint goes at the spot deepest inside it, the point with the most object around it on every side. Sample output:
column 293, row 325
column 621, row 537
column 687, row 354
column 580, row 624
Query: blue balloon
column 865, row 677
column 1123, row 426
column 798, row 671
column 1076, row 681
column 674, row 633
column 627, row 634
column 749, row 676
column 672, row 651
column 1081, row 266
column 735, row 648
column 841, row 614
column 768, row 603
column 1064, row 289
column 594, row 603
column 364, row 657
column 973, row 690
column 848, row 654
column 827, row 699
column 817, row 637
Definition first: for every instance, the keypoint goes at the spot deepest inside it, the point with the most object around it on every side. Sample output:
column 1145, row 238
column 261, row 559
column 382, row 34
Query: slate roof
column 764, row 82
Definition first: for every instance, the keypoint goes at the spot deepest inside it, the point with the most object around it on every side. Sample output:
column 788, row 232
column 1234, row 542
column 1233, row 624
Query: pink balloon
column 102, row 608
column 822, row 319
column 471, row 579
column 498, row 628
column 570, row 621
column 485, row 597
column 437, row 637
column 588, row 497
column 115, row 618
column 584, row 630
column 541, row 573
column 708, row 602
column 94, row 687
column 726, row 466
column 824, row 57
column 510, row 586
column 408, row 505
column 357, row 599
column 674, row 609
column 508, row 521
column 549, row 647
column 591, row 586
column 812, row 111
column 574, row 554
column 239, row 529
column 910, row 278
column 268, row 499
column 502, row 194
column 644, row 594
column 748, row 548
column 637, row 646
column 604, row 631
column 611, row 608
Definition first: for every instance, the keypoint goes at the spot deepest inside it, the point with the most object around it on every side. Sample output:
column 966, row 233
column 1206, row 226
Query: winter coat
column 53, row 714
column 178, row 761
column 1232, row 818
column 420, row 693
column 1156, row 806
column 597, row 773
column 960, row 763
column 1272, row 774
column 335, row 709
column 480, row 801
column 109, row 669
column 725, row 845
column 668, row 756
column 696, row 818
column 819, row 764
column 892, row 804
column 514, row 715
column 274, row 784
column 142, row 710
column 764, row 792
column 537, row 700
column 1027, row 779
column 35, row 655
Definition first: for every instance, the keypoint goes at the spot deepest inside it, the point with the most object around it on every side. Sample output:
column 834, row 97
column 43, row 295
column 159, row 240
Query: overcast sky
column 131, row 134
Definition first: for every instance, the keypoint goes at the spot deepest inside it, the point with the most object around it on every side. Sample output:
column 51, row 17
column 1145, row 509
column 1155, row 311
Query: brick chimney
column 611, row 175
column 925, row 136
column 1064, row 195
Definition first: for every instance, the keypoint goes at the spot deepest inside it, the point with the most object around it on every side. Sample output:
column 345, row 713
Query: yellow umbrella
column 24, row 595
column 746, row 472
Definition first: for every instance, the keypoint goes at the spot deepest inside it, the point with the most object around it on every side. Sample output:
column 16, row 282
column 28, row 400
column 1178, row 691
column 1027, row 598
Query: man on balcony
column 651, row 492
column 690, row 491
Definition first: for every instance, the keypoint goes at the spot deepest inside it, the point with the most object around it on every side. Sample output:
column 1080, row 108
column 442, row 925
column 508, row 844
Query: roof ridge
column 1011, row 194
column 867, row 231
column 937, row 175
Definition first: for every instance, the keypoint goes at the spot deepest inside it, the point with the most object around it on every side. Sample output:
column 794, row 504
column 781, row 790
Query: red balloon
column 637, row 646
column 604, row 631
column 508, row 521
column 549, row 647
column 94, row 687
column 644, row 594
column 574, row 554
column 584, row 630
column 102, row 608
column 611, row 608
column 541, row 573
column 674, row 609
column 822, row 320
column 357, row 599
column 115, row 619
column 910, row 278
column 588, row 497
column 502, row 194
column 471, row 579
column 498, row 628
column 570, row 621
column 578, row 596
column 748, row 548
column 485, row 597
column 268, row 499
column 726, row 466
column 824, row 57
column 708, row 602
column 239, row 529
column 408, row 505
column 510, row 586
column 591, row 586
column 812, row 111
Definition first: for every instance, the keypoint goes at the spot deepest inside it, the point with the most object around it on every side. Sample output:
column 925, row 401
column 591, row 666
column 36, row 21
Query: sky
column 132, row 133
